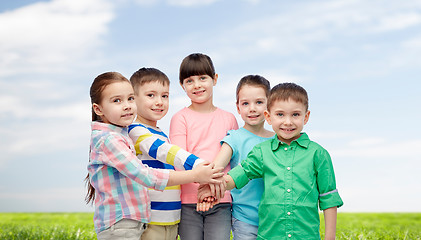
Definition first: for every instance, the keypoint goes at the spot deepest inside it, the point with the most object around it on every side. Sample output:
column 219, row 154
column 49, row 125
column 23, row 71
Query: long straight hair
column 97, row 87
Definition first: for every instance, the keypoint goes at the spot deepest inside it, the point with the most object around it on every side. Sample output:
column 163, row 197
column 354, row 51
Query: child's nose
column 158, row 101
column 287, row 120
column 127, row 105
column 252, row 107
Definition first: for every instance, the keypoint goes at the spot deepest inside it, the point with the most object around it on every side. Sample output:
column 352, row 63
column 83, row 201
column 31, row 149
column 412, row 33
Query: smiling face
column 117, row 104
column 152, row 102
column 252, row 105
column 199, row 88
column 287, row 118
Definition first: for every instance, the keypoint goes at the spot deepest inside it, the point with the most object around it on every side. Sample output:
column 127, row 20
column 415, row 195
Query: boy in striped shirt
column 151, row 87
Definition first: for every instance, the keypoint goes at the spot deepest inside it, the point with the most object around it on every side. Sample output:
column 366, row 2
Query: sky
column 359, row 61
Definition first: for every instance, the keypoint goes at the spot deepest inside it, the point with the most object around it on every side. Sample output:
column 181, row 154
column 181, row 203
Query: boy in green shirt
column 297, row 173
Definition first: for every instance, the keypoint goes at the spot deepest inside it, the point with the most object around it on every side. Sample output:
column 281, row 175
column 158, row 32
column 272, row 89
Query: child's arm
column 150, row 144
column 117, row 154
column 203, row 173
column 221, row 160
column 224, row 156
column 329, row 199
column 330, row 215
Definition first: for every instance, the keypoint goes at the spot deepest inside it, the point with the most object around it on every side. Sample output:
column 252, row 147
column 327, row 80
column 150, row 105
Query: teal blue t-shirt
column 245, row 201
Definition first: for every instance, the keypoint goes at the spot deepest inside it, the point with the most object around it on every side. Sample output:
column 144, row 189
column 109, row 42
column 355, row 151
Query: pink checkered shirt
column 119, row 178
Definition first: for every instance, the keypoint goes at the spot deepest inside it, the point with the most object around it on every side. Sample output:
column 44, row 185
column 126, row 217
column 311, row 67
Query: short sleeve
column 231, row 140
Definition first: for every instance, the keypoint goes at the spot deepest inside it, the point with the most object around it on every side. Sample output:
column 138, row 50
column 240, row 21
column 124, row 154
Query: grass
column 359, row 226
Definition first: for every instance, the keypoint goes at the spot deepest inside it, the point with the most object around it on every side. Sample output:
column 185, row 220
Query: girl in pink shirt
column 199, row 128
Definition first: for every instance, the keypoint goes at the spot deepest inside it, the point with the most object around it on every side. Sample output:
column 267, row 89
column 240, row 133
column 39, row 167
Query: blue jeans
column 214, row 224
column 243, row 231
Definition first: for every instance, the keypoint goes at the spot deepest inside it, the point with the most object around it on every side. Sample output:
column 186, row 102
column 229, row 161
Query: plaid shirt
column 119, row 179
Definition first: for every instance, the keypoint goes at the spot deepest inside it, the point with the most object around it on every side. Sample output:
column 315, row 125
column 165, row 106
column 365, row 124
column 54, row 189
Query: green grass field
column 80, row 226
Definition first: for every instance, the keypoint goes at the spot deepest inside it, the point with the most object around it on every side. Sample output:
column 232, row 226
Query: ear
column 306, row 117
column 215, row 79
column 238, row 109
column 267, row 117
column 97, row 109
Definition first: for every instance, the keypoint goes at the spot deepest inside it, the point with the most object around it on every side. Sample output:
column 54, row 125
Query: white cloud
column 398, row 21
column 50, row 36
column 191, row 3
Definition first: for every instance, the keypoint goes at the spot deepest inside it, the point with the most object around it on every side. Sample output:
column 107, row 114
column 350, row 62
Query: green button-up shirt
column 297, row 178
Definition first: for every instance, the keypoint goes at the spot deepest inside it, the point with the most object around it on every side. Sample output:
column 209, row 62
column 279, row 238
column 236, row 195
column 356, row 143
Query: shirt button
column 289, row 235
column 288, row 168
column 289, row 213
column 285, row 149
column 288, row 190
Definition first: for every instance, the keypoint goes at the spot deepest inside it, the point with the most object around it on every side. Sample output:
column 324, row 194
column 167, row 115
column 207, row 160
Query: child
column 198, row 129
column 151, row 88
column 297, row 173
column 117, row 178
column 252, row 93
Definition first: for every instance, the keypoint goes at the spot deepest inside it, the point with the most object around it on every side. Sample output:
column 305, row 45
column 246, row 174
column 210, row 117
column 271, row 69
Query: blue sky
column 359, row 61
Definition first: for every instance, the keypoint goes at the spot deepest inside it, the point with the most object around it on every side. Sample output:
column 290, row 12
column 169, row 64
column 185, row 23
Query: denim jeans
column 126, row 229
column 243, row 231
column 214, row 224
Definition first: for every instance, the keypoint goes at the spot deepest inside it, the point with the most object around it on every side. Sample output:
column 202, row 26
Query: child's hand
column 206, row 173
column 218, row 190
column 205, row 199
column 204, row 191
column 206, row 204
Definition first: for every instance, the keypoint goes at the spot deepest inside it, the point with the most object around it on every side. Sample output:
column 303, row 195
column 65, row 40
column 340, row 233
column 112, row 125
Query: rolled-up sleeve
column 326, row 183
column 250, row 168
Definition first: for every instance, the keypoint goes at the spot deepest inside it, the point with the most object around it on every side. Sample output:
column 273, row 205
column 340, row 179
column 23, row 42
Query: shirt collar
column 100, row 126
column 302, row 141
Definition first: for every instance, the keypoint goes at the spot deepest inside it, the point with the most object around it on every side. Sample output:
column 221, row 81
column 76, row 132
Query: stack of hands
column 208, row 195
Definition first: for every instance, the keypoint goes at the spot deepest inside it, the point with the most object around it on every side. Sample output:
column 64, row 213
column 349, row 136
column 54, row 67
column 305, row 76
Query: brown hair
column 98, row 85
column 196, row 64
column 146, row 75
column 285, row 91
column 253, row 80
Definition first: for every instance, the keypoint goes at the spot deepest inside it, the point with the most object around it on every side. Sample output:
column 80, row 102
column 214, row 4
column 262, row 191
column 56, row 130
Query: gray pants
column 126, row 229
column 214, row 224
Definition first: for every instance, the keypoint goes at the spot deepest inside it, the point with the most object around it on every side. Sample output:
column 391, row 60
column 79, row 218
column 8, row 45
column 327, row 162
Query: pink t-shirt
column 200, row 134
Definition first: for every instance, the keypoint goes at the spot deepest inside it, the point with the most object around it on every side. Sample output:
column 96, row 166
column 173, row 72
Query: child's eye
column 245, row 103
column 296, row 114
column 117, row 100
column 165, row 96
column 260, row 102
column 131, row 98
column 188, row 81
column 203, row 78
column 280, row 114
column 150, row 95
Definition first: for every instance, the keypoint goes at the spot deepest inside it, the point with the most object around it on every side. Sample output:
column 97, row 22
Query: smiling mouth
column 127, row 115
column 288, row 129
column 199, row 92
column 158, row 110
